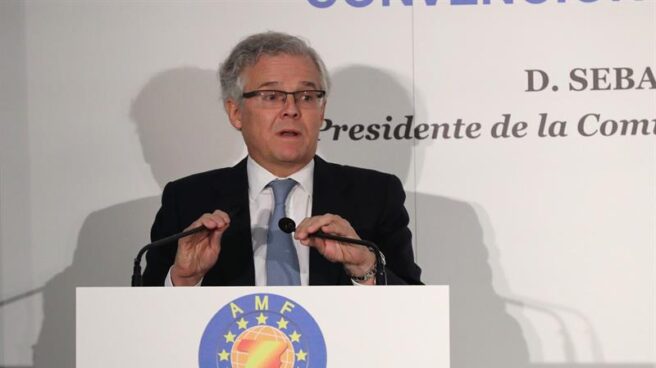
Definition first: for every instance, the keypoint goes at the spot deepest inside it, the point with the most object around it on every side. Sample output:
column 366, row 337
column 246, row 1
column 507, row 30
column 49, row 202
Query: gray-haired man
column 274, row 91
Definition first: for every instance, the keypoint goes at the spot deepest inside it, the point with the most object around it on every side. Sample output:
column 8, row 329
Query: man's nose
column 290, row 109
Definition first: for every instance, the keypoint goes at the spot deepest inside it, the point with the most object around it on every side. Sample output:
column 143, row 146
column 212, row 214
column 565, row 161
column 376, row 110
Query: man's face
column 282, row 140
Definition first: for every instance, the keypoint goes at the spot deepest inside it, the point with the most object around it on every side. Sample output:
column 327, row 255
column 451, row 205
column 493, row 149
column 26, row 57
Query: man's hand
column 357, row 259
column 197, row 253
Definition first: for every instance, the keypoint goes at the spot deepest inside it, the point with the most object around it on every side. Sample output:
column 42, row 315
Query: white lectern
column 286, row 327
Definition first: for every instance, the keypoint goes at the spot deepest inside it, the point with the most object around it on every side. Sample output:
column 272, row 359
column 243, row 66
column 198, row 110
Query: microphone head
column 287, row 225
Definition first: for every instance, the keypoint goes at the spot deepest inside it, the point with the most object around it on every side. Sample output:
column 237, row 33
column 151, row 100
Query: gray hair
column 248, row 51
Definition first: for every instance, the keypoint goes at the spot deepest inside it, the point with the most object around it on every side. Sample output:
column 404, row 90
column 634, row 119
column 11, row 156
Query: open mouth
column 289, row 133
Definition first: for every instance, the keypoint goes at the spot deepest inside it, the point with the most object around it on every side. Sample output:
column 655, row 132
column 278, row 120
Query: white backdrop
column 547, row 242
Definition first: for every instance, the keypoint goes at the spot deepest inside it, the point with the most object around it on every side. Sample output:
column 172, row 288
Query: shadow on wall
column 183, row 130
column 447, row 232
column 454, row 239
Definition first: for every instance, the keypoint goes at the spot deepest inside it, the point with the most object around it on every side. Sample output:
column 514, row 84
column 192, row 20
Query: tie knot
column 281, row 189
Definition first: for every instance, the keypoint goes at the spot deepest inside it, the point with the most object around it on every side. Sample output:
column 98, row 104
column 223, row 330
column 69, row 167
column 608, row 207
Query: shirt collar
column 259, row 177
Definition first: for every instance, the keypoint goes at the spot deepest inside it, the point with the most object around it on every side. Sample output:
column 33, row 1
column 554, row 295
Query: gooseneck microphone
column 136, row 269
column 288, row 226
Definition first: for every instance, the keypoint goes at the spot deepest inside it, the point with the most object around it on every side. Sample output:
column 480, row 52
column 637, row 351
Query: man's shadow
column 448, row 233
column 183, row 130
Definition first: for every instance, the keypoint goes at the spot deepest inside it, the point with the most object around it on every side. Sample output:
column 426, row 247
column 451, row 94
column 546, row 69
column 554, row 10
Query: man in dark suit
column 235, row 205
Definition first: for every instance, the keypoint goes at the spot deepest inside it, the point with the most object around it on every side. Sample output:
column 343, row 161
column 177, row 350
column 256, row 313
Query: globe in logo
column 262, row 331
column 271, row 344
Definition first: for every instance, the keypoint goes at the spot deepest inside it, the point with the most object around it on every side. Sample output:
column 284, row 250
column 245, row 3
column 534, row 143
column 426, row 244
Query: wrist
column 365, row 271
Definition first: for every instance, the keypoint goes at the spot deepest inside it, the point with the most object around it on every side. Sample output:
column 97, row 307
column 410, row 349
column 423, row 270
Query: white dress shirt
column 261, row 203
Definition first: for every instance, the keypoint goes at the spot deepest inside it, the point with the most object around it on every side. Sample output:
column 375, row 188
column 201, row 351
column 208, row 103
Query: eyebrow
column 276, row 83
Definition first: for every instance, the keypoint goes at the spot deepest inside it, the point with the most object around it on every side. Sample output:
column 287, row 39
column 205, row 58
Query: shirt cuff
column 169, row 282
column 355, row 283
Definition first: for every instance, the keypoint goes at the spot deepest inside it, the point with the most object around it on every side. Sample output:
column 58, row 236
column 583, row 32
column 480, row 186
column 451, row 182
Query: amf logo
column 262, row 331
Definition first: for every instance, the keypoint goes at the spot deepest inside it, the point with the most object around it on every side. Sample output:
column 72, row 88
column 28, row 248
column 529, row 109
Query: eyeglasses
column 274, row 99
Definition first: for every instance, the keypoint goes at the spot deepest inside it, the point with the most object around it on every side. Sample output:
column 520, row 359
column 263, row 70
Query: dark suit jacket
column 371, row 201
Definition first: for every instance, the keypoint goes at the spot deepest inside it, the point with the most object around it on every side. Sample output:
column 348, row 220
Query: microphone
column 288, row 226
column 136, row 269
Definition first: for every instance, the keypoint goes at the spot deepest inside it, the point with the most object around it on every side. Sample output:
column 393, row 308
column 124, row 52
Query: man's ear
column 233, row 109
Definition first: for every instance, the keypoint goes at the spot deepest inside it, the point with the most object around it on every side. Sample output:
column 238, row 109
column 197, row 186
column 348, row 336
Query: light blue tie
column 282, row 261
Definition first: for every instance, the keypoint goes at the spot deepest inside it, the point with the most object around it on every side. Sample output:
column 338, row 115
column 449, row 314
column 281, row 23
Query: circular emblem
column 262, row 331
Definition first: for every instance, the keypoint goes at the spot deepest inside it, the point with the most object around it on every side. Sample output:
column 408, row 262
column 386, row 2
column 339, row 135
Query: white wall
column 547, row 242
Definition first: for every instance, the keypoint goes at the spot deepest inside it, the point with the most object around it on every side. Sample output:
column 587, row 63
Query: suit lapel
column 328, row 197
column 235, row 265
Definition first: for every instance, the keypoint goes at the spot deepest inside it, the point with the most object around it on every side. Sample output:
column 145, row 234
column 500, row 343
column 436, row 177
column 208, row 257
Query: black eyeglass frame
column 257, row 92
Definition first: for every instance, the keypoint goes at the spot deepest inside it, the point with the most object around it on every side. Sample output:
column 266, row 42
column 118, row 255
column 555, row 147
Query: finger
column 313, row 242
column 313, row 224
column 329, row 249
column 317, row 243
column 321, row 221
column 344, row 230
column 201, row 221
column 214, row 239
column 301, row 232
column 218, row 214
column 218, row 220
column 212, row 222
